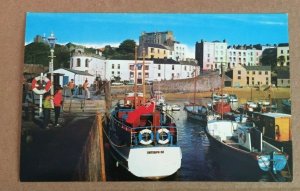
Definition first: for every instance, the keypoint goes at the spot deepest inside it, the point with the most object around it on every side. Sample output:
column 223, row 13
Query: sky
column 100, row 29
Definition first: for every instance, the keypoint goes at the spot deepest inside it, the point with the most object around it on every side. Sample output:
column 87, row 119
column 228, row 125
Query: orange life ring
column 39, row 88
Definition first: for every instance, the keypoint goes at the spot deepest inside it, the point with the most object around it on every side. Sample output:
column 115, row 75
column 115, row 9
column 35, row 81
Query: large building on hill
column 161, row 45
column 163, row 38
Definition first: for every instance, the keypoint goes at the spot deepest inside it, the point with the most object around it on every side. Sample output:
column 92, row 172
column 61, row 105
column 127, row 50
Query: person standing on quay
column 71, row 86
column 86, row 89
column 47, row 108
column 57, row 104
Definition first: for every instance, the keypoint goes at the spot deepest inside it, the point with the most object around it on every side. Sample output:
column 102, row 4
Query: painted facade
column 283, row 54
column 211, row 55
column 250, row 76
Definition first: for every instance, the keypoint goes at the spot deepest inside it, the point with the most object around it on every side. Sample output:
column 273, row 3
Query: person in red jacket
column 57, row 100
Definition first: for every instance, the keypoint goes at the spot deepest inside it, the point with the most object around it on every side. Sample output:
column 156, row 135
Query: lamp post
column 51, row 41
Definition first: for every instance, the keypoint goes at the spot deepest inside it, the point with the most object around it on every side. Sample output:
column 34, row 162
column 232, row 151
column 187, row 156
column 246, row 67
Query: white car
column 175, row 107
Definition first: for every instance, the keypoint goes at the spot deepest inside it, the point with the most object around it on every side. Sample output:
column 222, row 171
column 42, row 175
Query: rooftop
column 261, row 68
column 155, row 45
column 77, row 72
column 283, row 74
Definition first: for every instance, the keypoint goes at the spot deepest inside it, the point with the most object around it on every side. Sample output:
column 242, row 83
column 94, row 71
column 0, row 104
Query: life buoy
column 39, row 88
column 161, row 134
column 144, row 137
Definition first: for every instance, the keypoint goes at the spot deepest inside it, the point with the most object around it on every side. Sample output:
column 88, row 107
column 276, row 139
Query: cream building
column 283, row 54
column 250, row 76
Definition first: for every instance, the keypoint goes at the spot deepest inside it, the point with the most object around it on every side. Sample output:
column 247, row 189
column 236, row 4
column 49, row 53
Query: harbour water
column 200, row 161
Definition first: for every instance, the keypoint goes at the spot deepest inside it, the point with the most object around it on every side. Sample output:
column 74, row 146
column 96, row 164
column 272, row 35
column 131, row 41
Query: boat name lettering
column 155, row 152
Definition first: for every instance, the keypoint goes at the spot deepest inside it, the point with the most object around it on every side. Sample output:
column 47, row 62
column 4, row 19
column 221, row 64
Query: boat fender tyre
column 35, row 86
column 142, row 135
column 160, row 138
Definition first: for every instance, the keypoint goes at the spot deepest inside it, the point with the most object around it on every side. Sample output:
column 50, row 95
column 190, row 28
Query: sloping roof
column 77, row 72
column 283, row 44
column 261, row 68
column 155, row 45
column 193, row 63
column 164, row 61
column 283, row 74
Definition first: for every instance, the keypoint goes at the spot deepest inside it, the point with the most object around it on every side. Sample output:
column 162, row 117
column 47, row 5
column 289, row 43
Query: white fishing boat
column 245, row 147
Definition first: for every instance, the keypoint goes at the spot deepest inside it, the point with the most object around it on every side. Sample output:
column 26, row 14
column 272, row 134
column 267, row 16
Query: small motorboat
column 175, row 107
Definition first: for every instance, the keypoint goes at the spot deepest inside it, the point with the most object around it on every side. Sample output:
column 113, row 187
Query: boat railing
column 157, row 135
column 164, row 135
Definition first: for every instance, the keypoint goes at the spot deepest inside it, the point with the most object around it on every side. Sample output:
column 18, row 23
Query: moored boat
column 143, row 139
column 245, row 147
column 276, row 129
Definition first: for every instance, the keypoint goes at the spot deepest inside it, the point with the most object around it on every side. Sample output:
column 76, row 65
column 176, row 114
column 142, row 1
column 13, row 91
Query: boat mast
column 222, row 84
column 195, row 83
column 144, row 86
column 135, row 76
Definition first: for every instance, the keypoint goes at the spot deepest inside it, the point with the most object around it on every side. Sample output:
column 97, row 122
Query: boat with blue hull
column 244, row 146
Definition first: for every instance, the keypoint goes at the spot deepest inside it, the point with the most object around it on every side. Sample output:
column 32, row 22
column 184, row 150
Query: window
column 131, row 67
column 208, row 55
column 267, row 79
column 152, row 50
column 131, row 74
column 288, row 63
column 288, row 51
column 208, row 60
column 158, row 74
column 172, row 67
column 281, row 81
column 159, row 67
column 239, row 72
column 239, row 77
column 281, row 51
column 157, row 50
column 247, row 72
column 118, row 66
column 288, row 57
column 164, row 52
column 253, row 72
column 146, row 75
column 86, row 63
column 185, row 67
column 112, row 72
column 259, row 72
column 118, row 73
column 252, row 78
column 266, row 72
column 78, row 62
column 113, row 66
column 146, row 67
column 288, row 81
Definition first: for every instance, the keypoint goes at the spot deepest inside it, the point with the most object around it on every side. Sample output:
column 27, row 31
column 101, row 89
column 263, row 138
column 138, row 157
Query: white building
column 168, row 69
column 155, row 69
column 179, row 52
column 78, row 76
column 211, row 55
column 243, row 55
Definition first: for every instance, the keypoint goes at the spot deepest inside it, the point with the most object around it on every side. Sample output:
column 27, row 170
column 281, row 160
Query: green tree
column 127, row 46
column 280, row 60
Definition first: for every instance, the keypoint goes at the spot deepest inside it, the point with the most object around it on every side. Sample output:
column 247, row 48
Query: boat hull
column 270, row 158
column 149, row 162
column 240, row 160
